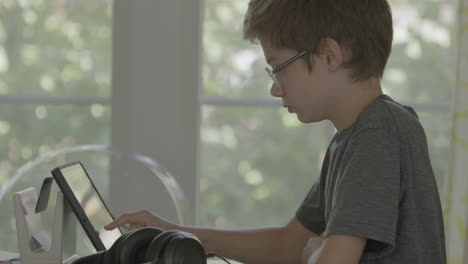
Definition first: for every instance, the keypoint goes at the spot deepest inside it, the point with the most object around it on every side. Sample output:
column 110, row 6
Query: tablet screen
column 91, row 202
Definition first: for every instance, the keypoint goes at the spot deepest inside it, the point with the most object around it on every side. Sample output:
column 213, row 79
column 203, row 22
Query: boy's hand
column 140, row 219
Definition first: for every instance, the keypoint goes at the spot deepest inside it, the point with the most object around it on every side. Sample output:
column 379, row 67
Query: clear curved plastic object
column 142, row 173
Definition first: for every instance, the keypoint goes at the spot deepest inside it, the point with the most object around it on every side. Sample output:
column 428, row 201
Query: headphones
column 151, row 245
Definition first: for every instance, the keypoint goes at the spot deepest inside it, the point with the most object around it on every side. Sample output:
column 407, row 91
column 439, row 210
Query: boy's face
column 306, row 93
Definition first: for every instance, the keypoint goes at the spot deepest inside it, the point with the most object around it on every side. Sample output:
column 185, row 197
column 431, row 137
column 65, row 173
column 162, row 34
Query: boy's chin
column 304, row 119
column 307, row 118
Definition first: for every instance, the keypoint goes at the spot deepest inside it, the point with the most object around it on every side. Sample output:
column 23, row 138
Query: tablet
column 87, row 204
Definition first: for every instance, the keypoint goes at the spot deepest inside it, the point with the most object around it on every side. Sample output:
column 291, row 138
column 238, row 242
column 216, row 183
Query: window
column 55, row 64
column 259, row 161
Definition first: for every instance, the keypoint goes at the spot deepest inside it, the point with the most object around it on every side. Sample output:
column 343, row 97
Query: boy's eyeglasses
column 272, row 73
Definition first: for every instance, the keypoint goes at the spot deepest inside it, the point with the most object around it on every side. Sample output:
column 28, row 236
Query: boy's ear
column 332, row 53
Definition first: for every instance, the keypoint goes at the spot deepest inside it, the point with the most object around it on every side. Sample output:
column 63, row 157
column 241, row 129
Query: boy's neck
column 352, row 100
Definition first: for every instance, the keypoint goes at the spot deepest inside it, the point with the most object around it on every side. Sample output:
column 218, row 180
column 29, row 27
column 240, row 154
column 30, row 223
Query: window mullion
column 54, row 100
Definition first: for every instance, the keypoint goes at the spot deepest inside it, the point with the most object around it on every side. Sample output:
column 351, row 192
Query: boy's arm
column 254, row 246
column 257, row 246
column 339, row 250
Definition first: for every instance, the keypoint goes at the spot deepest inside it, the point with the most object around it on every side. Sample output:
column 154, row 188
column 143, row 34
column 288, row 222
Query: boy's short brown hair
column 362, row 27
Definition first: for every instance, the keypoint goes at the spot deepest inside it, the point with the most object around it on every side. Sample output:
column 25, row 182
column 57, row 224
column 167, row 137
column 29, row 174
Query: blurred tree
column 50, row 48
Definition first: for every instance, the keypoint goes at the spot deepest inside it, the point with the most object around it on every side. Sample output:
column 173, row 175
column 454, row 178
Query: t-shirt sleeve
column 311, row 213
column 366, row 199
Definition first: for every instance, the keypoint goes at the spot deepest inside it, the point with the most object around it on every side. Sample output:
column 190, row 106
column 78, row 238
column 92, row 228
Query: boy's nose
column 276, row 91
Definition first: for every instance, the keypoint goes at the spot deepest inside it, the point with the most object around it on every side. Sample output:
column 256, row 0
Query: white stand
column 63, row 242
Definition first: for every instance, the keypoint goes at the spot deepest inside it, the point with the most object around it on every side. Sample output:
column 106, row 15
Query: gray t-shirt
column 377, row 182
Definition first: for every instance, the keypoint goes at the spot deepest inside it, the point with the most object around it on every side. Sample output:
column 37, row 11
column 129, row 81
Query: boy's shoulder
column 386, row 114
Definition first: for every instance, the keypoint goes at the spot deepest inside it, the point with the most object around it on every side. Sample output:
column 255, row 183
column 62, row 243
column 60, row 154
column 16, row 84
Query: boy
column 376, row 200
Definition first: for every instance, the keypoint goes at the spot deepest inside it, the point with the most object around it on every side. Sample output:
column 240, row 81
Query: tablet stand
column 63, row 242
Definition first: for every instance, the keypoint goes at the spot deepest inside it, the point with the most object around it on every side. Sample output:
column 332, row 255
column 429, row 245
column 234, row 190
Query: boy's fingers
column 122, row 220
column 135, row 226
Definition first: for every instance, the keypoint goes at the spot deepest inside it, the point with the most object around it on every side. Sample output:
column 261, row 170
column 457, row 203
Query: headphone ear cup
column 188, row 250
column 184, row 248
column 133, row 247
column 170, row 253
column 157, row 247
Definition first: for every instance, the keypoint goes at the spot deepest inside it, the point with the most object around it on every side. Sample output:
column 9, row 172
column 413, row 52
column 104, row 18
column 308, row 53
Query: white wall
column 156, row 80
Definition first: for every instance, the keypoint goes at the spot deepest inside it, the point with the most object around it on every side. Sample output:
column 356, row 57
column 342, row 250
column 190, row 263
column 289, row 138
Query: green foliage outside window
column 51, row 48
